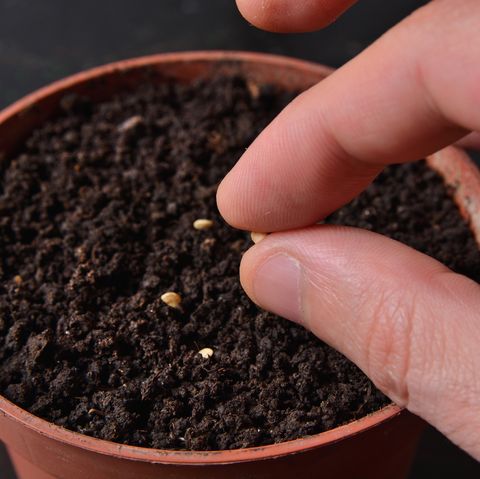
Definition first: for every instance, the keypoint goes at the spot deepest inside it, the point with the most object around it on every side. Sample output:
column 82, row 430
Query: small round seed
column 257, row 237
column 172, row 299
column 202, row 224
column 206, row 353
column 17, row 279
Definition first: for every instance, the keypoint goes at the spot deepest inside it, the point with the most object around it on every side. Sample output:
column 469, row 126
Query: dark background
column 44, row 40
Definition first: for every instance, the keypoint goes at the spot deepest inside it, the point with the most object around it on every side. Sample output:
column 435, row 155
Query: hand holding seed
column 257, row 237
column 411, row 93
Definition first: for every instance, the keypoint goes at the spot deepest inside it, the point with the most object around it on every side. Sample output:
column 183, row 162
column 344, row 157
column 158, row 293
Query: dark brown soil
column 96, row 224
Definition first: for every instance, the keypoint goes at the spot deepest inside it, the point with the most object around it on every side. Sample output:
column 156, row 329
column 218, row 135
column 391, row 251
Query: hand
column 409, row 322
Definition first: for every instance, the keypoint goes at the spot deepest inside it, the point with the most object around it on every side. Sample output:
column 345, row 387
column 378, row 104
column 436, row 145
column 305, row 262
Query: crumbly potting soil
column 96, row 224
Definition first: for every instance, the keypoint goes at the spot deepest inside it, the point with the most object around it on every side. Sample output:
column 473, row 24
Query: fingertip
column 255, row 256
column 248, row 198
column 230, row 202
column 247, row 271
column 259, row 14
column 252, row 259
column 248, row 11
column 282, row 16
column 223, row 204
column 271, row 278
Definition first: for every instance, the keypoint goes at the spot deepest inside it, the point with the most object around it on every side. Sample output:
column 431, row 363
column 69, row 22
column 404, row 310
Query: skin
column 409, row 322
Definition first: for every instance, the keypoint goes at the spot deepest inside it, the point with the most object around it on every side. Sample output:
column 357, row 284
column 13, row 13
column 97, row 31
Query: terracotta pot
column 377, row 446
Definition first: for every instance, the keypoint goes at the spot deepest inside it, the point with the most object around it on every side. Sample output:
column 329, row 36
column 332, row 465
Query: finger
column 410, row 94
column 292, row 15
column 471, row 141
column 406, row 320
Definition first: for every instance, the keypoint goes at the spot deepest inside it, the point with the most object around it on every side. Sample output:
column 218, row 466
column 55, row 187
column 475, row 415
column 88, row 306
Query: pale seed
column 171, row 299
column 17, row 279
column 254, row 89
column 130, row 123
column 257, row 237
column 202, row 224
column 206, row 353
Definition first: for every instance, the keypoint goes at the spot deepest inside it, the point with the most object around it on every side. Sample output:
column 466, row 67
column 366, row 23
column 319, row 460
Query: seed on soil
column 253, row 89
column 93, row 411
column 17, row 279
column 257, row 237
column 172, row 299
column 206, row 353
column 202, row 224
column 130, row 123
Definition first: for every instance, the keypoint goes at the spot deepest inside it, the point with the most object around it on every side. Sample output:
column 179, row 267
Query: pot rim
column 166, row 456
column 65, row 436
column 120, row 66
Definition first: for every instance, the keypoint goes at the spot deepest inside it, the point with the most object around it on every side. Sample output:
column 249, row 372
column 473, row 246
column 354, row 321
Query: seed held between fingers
column 172, row 299
column 206, row 353
column 202, row 224
column 257, row 237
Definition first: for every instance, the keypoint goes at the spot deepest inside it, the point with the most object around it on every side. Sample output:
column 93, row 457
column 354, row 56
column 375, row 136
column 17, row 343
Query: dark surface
column 43, row 41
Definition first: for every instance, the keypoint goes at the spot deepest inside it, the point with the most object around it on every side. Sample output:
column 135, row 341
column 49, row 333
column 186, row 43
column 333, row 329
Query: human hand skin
column 408, row 321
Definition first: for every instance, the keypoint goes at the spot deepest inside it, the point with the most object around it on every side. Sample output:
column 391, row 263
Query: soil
column 96, row 221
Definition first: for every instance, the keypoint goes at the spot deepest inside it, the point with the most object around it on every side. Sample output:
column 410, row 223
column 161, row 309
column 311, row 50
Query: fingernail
column 276, row 287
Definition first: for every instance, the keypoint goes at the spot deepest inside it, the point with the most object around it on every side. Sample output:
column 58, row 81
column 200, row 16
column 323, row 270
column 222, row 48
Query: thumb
column 407, row 321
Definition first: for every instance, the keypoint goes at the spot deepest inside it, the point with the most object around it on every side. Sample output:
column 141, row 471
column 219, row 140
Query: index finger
column 410, row 94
